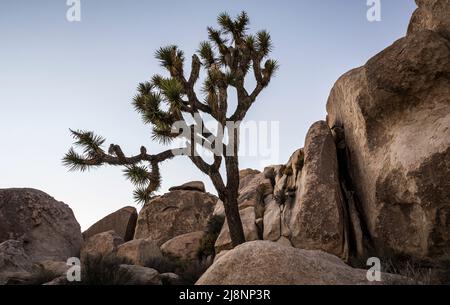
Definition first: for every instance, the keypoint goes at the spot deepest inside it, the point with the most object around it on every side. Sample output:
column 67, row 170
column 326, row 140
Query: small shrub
column 280, row 196
column 38, row 277
column 269, row 173
column 441, row 274
column 407, row 267
column 104, row 270
column 300, row 162
column 212, row 231
column 281, row 171
column 261, row 191
column 288, row 171
column 164, row 264
column 192, row 271
column 291, row 191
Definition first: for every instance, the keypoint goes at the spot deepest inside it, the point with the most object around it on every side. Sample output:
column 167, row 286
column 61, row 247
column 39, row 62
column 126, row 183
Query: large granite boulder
column 272, row 220
column 269, row 263
column 123, row 222
column 431, row 15
column 54, row 268
column 393, row 114
column 184, row 247
column 316, row 216
column 139, row 251
column 15, row 264
column 101, row 245
column 307, row 208
column 174, row 214
column 190, row 186
column 47, row 228
column 141, row 276
column 17, row 268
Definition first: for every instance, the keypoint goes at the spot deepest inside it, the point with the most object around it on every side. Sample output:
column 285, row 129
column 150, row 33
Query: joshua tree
column 227, row 58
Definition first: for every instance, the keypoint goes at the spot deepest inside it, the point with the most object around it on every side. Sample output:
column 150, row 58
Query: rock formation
column 431, row 15
column 142, row 276
column 102, row 244
column 139, row 251
column 316, row 214
column 393, row 114
column 184, row 247
column 374, row 179
column 190, row 186
column 15, row 265
column 174, row 214
column 299, row 203
column 371, row 180
column 269, row 263
column 123, row 222
column 46, row 227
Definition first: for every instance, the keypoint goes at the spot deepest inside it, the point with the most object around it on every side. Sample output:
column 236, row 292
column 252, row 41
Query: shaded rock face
column 431, row 15
column 139, row 251
column 170, row 279
column 123, row 222
column 317, row 220
column 306, row 207
column 47, row 228
column 102, row 244
column 141, row 275
column 184, row 247
column 394, row 114
column 253, row 188
column 272, row 220
column 190, row 186
column 269, row 263
column 174, row 214
column 14, row 262
column 56, row 268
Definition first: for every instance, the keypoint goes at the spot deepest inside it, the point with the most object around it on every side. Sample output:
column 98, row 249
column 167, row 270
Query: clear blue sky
column 56, row 75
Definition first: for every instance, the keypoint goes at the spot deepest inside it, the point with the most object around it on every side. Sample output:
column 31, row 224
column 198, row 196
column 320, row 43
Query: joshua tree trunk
column 234, row 219
column 231, row 202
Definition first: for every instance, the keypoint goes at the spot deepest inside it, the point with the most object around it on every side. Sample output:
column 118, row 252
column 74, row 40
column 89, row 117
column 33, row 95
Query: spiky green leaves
column 250, row 43
column 263, row 43
column 87, row 140
column 241, row 23
column 172, row 90
column 270, row 68
column 206, row 53
column 172, row 59
column 226, row 23
column 74, row 161
column 237, row 28
column 137, row 174
column 147, row 182
column 148, row 102
column 91, row 145
column 169, row 56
